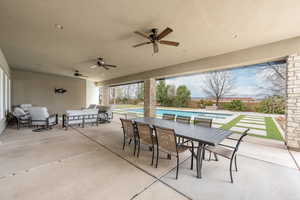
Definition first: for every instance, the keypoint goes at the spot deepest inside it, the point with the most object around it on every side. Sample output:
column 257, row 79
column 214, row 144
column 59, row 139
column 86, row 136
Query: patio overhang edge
column 263, row 53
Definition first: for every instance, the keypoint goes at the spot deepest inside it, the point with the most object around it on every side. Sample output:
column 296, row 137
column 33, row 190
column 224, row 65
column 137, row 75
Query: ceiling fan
column 155, row 38
column 100, row 63
column 77, row 74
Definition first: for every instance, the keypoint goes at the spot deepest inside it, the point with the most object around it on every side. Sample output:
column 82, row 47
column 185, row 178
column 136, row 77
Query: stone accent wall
column 105, row 96
column 293, row 103
column 149, row 98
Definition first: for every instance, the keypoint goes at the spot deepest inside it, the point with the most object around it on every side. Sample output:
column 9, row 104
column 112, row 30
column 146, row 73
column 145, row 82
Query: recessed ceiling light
column 58, row 26
column 234, row 36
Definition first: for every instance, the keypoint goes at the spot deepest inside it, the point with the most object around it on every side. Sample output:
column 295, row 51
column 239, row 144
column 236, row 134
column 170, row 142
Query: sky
column 249, row 82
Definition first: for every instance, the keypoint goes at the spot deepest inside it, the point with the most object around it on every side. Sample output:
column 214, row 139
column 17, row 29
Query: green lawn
column 271, row 129
column 233, row 122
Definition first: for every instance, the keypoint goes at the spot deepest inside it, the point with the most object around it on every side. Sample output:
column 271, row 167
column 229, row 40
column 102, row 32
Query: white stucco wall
column 4, row 66
column 92, row 93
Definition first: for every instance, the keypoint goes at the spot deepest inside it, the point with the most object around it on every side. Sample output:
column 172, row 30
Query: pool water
column 184, row 113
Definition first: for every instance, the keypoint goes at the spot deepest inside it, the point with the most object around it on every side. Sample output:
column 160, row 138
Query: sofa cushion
column 38, row 113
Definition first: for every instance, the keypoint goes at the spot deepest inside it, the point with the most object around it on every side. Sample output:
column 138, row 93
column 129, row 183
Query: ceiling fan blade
column 107, row 65
column 155, row 47
column 169, row 43
column 93, row 66
column 141, row 44
column 142, row 34
column 164, row 33
column 84, row 76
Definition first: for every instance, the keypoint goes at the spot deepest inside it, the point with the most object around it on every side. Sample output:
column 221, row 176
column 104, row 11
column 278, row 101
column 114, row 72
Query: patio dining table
column 202, row 135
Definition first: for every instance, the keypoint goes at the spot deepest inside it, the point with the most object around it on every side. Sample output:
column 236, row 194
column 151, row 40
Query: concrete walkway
column 90, row 164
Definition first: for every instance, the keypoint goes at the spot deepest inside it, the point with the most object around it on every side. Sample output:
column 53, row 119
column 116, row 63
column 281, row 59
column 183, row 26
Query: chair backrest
column 168, row 117
column 240, row 139
column 166, row 139
column 38, row 113
column 203, row 122
column 128, row 127
column 92, row 106
column 25, row 106
column 19, row 112
column 144, row 132
column 183, row 119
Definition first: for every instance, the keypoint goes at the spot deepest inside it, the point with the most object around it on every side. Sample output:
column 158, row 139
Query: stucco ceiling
column 105, row 28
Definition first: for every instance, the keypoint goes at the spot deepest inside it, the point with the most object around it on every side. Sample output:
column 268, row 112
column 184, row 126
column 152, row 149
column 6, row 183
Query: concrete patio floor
column 90, row 164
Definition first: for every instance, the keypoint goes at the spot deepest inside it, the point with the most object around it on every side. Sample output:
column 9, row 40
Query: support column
column 293, row 103
column 149, row 98
column 105, row 96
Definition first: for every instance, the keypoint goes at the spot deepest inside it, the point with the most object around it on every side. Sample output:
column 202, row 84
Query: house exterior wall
column 38, row 89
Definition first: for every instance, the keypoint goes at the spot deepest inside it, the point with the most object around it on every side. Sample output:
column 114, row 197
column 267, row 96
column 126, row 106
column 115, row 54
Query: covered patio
column 89, row 163
column 60, row 58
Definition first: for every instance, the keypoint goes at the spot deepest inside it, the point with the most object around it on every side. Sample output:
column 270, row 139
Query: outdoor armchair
column 41, row 117
column 22, row 117
column 166, row 141
column 229, row 152
column 169, row 117
column 129, row 133
column 145, row 136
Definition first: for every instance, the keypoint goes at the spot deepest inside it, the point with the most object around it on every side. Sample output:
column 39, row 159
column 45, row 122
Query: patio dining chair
column 166, row 141
column 203, row 122
column 145, row 136
column 169, row 117
column 128, row 133
column 183, row 119
column 229, row 152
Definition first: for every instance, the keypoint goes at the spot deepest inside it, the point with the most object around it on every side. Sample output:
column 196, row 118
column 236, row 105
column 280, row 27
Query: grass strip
column 232, row 123
column 272, row 130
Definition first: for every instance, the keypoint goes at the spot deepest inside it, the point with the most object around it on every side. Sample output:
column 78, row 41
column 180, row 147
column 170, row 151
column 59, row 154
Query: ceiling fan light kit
column 155, row 38
column 100, row 63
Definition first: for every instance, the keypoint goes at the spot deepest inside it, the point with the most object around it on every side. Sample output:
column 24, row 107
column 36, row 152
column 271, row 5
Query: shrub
column 274, row 104
column 203, row 103
column 235, row 105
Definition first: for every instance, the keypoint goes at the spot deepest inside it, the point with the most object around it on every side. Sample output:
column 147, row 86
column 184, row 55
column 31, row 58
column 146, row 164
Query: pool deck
column 256, row 122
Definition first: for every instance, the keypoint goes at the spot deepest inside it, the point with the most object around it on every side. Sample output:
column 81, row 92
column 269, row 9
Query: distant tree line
column 168, row 95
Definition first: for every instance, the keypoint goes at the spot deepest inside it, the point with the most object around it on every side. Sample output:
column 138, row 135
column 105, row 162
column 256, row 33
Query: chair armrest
column 228, row 146
column 230, row 138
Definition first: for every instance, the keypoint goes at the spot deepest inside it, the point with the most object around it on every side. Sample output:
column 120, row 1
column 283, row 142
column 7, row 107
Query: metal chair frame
column 169, row 117
column 134, row 137
column 137, row 125
column 176, row 144
column 234, row 153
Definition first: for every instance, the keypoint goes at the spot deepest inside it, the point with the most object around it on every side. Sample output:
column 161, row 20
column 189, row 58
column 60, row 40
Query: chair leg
column 134, row 140
column 192, row 161
column 177, row 167
column 236, row 169
column 216, row 157
column 152, row 154
column 157, row 155
column 139, row 147
column 124, row 141
column 230, row 170
column 129, row 141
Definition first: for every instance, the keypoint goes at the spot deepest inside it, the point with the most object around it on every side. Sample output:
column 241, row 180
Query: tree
column 218, row 84
column 162, row 93
column 140, row 91
column 274, row 73
column 183, row 96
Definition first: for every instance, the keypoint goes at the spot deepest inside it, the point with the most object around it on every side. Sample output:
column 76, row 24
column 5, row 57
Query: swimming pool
column 184, row 113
